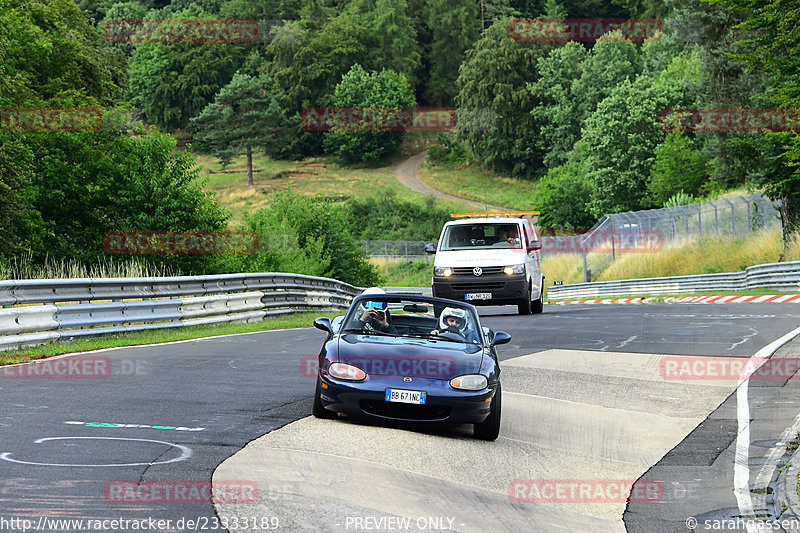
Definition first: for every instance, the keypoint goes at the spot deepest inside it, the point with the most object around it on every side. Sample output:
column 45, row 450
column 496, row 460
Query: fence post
column 749, row 219
column 586, row 277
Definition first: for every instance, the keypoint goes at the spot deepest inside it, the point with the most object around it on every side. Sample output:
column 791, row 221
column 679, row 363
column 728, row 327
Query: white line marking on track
column 744, row 339
column 741, row 467
column 626, row 341
column 185, row 453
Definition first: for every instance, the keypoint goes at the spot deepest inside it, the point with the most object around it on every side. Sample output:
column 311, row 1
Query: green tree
column 51, row 55
column 18, row 223
column 315, row 221
column 678, row 167
column 173, row 82
column 613, row 59
column 88, row 183
column 624, row 132
column 773, row 47
column 562, row 196
column 558, row 111
column 385, row 216
column 454, row 27
column 307, row 59
column 243, row 116
column 396, row 45
column 492, row 88
column 377, row 90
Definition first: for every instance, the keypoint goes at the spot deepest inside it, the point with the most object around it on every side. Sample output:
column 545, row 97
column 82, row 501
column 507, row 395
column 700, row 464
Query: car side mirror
column 430, row 248
column 501, row 337
column 535, row 245
column 324, row 323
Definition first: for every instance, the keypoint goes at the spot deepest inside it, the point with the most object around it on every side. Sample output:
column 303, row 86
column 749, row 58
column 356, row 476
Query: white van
column 490, row 259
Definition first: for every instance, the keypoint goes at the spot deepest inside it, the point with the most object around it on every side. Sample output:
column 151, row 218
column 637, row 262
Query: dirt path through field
column 407, row 173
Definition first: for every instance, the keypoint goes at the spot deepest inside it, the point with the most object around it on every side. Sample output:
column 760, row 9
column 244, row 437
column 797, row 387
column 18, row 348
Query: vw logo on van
column 477, row 271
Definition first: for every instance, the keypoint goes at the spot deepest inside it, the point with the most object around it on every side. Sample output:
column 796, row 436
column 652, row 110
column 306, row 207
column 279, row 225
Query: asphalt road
column 238, row 388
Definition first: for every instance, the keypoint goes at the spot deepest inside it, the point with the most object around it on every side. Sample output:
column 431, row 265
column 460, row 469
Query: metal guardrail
column 41, row 311
column 776, row 276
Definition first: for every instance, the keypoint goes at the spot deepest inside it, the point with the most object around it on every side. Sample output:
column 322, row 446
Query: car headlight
column 442, row 271
column 345, row 371
column 514, row 269
column 469, row 382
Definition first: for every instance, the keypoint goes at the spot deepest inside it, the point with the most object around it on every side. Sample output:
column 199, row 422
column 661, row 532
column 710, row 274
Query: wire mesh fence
column 396, row 250
column 725, row 218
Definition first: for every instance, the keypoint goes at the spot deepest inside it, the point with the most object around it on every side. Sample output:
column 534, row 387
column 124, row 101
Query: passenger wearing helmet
column 455, row 320
column 376, row 315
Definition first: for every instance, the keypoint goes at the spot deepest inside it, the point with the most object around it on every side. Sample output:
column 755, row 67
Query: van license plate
column 478, row 296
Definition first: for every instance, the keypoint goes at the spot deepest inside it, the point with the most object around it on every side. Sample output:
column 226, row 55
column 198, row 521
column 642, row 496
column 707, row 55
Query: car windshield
column 481, row 236
column 397, row 316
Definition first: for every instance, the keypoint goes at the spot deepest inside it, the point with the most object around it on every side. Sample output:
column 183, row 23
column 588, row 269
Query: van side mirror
column 430, row 248
column 535, row 245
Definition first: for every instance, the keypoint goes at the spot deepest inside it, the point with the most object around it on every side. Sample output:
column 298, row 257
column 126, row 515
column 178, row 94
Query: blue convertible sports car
column 411, row 358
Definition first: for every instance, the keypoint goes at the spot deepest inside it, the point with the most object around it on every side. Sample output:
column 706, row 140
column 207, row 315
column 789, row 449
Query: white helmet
column 460, row 314
column 374, row 290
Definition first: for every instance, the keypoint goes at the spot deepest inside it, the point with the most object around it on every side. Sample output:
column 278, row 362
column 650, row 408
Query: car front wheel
column 489, row 429
column 318, row 410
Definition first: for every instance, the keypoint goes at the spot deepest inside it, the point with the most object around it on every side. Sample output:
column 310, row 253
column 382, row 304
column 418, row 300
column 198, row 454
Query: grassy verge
column 662, row 297
column 704, row 256
column 313, row 176
column 480, row 185
column 407, row 273
column 296, row 320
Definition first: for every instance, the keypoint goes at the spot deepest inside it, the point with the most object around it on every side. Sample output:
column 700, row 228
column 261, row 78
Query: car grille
column 476, row 286
column 405, row 411
column 467, row 271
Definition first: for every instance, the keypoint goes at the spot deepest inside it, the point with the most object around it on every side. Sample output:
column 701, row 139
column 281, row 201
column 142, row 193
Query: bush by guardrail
column 776, row 276
column 40, row 311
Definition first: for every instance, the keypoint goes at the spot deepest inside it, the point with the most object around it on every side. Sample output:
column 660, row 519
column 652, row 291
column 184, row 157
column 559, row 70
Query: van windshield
column 481, row 236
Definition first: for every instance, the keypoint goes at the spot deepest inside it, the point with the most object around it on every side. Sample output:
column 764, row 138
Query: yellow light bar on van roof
column 503, row 214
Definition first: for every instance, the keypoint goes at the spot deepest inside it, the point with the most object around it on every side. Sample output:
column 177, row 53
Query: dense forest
column 583, row 119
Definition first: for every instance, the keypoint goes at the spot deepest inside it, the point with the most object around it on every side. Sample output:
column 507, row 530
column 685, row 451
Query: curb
column 766, row 298
column 786, row 488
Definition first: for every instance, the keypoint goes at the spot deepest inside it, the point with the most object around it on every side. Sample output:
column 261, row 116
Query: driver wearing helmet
column 454, row 320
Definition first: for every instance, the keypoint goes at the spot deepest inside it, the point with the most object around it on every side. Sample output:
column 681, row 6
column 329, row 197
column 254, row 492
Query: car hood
column 409, row 357
column 487, row 257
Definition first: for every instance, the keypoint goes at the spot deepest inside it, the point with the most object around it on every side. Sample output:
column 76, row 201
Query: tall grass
column 678, row 258
column 23, row 267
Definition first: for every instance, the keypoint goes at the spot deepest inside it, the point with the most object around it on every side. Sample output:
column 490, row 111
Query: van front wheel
column 537, row 306
column 524, row 305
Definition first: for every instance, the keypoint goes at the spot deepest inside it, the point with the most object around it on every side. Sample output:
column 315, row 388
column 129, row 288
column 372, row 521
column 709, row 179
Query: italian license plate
column 405, row 396
column 478, row 296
